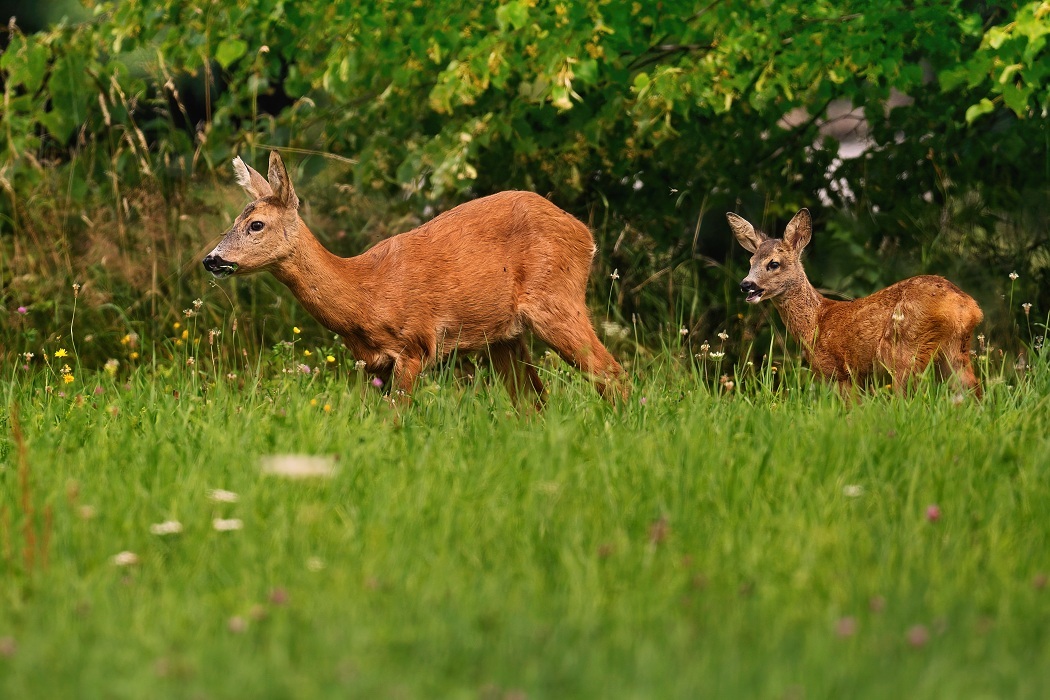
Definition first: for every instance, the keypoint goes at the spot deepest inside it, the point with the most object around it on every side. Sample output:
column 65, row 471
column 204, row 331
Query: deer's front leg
column 406, row 368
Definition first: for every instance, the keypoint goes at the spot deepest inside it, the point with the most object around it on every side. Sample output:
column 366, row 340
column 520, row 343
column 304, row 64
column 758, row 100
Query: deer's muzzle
column 752, row 290
column 219, row 267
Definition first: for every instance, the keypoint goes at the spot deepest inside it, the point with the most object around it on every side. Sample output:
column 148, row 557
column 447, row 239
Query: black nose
column 748, row 286
column 217, row 266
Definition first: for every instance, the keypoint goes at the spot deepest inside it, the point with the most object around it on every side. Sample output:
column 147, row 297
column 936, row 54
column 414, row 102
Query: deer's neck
column 329, row 287
column 800, row 309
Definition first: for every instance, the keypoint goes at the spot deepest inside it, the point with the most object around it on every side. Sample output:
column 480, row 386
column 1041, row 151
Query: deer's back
column 469, row 271
column 917, row 315
column 517, row 232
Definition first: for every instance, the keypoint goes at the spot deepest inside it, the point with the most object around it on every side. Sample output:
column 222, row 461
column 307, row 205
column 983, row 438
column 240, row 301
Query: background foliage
column 916, row 131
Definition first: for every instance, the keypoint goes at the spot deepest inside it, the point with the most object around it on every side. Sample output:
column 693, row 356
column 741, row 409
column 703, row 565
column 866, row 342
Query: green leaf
column 996, row 36
column 587, row 71
column 229, row 50
column 1016, row 98
column 983, row 107
column 1009, row 72
column 513, row 14
column 25, row 63
column 58, row 124
column 10, row 57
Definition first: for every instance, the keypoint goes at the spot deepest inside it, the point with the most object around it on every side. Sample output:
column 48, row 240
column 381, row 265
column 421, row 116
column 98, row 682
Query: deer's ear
column 745, row 233
column 250, row 179
column 282, row 186
column 799, row 230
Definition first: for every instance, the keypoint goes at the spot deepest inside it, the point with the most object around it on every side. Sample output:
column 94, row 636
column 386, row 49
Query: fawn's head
column 266, row 231
column 775, row 263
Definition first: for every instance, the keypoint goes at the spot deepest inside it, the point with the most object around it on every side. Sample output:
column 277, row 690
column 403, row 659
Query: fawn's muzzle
column 752, row 291
column 219, row 267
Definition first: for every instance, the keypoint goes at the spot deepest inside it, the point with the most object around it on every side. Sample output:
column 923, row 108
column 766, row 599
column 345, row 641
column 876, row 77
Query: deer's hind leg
column 511, row 361
column 907, row 365
column 954, row 362
column 568, row 331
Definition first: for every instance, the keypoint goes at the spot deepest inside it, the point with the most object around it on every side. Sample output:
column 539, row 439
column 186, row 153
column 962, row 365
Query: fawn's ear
column 799, row 230
column 745, row 233
column 282, row 186
column 251, row 180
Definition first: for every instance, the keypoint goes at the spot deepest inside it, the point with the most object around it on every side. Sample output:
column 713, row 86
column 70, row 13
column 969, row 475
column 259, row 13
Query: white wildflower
column 612, row 329
column 853, row 490
column 168, row 527
column 298, row 466
column 223, row 496
column 125, row 559
column 227, row 524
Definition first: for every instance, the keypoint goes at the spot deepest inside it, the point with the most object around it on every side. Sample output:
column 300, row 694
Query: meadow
column 759, row 538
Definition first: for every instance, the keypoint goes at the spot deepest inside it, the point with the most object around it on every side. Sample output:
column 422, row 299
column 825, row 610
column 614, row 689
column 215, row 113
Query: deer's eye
column 773, row 265
column 256, row 226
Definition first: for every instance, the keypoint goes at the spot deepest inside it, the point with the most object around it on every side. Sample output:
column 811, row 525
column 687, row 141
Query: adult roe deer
column 472, row 279
column 901, row 328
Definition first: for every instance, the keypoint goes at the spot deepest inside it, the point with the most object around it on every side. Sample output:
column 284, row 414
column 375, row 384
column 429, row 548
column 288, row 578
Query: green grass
column 696, row 545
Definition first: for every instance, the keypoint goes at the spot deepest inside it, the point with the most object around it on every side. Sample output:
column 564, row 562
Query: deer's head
column 775, row 263
column 266, row 231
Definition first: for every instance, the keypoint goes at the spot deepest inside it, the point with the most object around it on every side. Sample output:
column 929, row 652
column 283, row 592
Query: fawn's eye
column 256, row 226
column 773, row 265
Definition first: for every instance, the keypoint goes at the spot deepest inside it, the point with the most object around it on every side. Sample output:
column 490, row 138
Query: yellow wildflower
column 330, row 359
column 67, row 378
column 176, row 325
column 61, row 352
column 307, row 353
column 328, row 408
column 295, row 329
column 313, row 402
column 134, row 356
column 185, row 334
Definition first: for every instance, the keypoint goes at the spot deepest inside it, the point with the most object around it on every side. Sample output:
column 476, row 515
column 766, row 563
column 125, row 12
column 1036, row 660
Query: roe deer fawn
column 472, row 279
column 901, row 328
